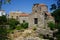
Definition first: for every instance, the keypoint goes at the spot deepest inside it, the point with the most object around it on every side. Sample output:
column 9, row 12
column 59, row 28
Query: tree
column 3, row 32
column 3, row 29
column 51, row 25
column 3, row 20
column 3, row 2
column 58, row 3
column 55, row 5
column 56, row 15
column 13, row 23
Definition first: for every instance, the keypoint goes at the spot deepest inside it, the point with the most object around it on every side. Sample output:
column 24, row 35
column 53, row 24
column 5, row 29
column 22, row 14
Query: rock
column 27, row 34
column 29, row 38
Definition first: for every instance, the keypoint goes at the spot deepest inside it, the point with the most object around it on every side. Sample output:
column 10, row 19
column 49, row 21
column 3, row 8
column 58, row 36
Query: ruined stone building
column 38, row 17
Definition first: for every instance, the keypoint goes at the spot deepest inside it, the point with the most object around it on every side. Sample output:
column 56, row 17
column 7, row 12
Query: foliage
column 3, row 33
column 3, row 2
column 55, row 5
column 19, row 27
column 24, row 25
column 51, row 25
column 56, row 15
column 58, row 26
column 3, row 29
column 13, row 23
column 3, row 20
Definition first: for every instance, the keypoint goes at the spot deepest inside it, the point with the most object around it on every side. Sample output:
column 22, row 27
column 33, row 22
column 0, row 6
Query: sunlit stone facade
column 38, row 17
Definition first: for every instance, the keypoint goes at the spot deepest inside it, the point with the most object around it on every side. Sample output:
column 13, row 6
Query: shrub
column 19, row 27
column 51, row 25
column 12, row 23
column 24, row 25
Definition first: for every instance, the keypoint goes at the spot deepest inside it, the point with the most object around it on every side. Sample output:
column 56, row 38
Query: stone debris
column 26, row 35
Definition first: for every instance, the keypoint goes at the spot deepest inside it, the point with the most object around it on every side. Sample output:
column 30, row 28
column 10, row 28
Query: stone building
column 39, row 16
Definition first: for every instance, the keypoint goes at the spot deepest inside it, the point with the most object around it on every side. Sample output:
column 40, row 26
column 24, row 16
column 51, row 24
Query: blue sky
column 25, row 5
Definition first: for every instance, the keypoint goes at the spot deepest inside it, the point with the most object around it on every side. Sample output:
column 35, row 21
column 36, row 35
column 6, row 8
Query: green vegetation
column 3, row 29
column 19, row 27
column 51, row 25
column 56, row 15
column 56, row 5
column 3, row 33
column 13, row 23
column 3, row 20
column 56, row 25
column 24, row 25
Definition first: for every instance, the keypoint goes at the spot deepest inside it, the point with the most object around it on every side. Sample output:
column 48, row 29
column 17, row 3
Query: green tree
column 3, row 20
column 55, row 5
column 3, row 2
column 51, row 25
column 3, row 29
column 3, row 33
column 56, row 15
column 55, row 8
column 13, row 23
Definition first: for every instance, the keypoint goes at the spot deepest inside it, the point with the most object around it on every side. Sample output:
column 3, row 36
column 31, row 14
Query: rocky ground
column 29, row 34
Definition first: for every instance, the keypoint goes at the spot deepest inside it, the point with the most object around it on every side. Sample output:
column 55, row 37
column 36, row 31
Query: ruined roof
column 15, row 12
column 42, row 5
column 24, row 14
column 39, row 4
column 48, row 14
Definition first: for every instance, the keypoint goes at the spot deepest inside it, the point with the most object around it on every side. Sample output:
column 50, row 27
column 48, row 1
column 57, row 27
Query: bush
column 13, row 23
column 24, row 25
column 51, row 25
column 19, row 27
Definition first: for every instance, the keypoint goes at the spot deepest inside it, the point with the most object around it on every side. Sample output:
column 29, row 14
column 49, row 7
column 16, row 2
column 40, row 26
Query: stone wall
column 21, row 19
column 37, row 12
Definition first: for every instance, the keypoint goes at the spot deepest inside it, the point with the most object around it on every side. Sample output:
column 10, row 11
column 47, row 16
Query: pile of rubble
column 27, row 34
